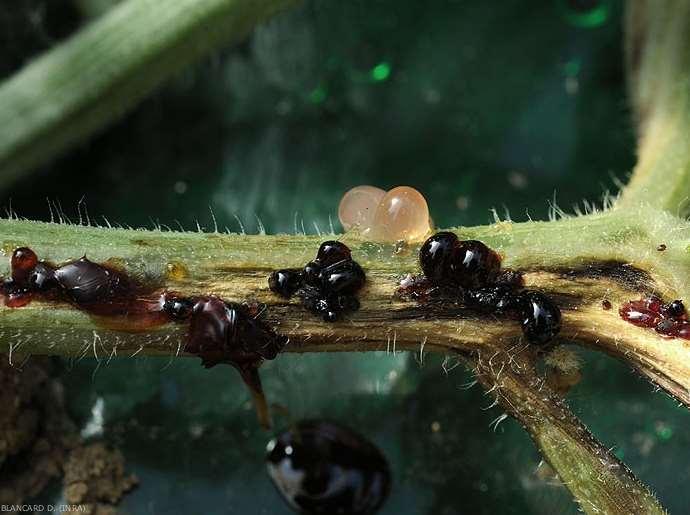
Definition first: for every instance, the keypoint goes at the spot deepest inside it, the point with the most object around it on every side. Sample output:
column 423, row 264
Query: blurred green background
column 477, row 104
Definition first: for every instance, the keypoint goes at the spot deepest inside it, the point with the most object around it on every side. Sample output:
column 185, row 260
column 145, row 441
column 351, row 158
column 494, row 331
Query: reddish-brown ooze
column 219, row 331
column 226, row 332
column 669, row 320
column 106, row 292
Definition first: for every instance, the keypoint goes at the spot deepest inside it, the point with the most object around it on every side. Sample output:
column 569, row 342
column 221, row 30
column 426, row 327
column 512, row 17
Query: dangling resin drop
column 402, row 214
column 358, row 206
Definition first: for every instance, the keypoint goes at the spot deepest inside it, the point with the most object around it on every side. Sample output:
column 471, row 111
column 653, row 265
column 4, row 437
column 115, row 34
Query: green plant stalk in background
column 610, row 254
column 108, row 67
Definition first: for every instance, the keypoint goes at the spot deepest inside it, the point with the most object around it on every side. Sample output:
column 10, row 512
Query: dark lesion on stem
column 624, row 274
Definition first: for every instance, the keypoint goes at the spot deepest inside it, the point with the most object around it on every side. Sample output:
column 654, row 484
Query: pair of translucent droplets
column 399, row 214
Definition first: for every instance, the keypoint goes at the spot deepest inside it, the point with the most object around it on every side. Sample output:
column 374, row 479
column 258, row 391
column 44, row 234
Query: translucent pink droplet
column 402, row 214
column 358, row 206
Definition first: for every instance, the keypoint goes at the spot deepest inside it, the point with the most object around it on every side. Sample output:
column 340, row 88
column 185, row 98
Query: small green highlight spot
column 380, row 72
column 587, row 14
column 318, row 95
column 664, row 432
column 572, row 68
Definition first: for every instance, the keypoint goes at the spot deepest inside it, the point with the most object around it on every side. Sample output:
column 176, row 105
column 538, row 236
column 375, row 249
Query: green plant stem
column 658, row 63
column 597, row 479
column 111, row 64
column 236, row 267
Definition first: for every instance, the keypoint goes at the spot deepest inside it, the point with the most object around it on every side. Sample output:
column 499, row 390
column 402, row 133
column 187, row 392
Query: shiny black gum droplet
column 322, row 468
column 345, row 277
column 496, row 299
column 177, row 308
column 474, row 264
column 540, row 317
column 436, row 254
column 311, row 274
column 285, row 282
column 331, row 252
column 674, row 309
column 119, row 302
column 469, row 264
column 327, row 285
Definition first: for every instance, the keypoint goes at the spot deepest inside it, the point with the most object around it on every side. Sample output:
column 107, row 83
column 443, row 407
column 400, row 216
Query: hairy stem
column 579, row 261
column 596, row 478
column 104, row 70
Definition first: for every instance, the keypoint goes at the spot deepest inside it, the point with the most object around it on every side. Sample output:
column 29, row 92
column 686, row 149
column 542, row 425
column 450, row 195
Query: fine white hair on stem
column 83, row 219
column 260, row 225
column 495, row 422
column 213, row 218
column 239, row 222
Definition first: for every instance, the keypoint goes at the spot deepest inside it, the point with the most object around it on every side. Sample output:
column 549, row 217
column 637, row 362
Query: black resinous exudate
column 327, row 286
column 323, row 468
column 469, row 272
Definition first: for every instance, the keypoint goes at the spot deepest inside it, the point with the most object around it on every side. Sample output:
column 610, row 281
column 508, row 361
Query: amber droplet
column 176, row 271
column 402, row 214
column 357, row 207
column 606, row 304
